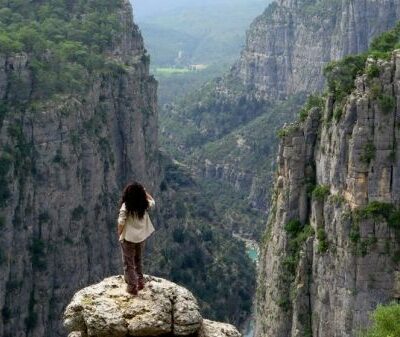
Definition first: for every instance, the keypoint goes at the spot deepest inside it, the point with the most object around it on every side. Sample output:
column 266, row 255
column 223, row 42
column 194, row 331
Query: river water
column 249, row 331
column 253, row 252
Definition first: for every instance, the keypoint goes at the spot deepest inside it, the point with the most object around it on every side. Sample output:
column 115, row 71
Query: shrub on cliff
column 385, row 322
column 313, row 101
column 320, row 192
column 341, row 74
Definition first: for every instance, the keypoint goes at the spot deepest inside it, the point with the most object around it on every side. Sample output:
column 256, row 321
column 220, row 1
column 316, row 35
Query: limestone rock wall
column 331, row 256
column 63, row 165
column 290, row 43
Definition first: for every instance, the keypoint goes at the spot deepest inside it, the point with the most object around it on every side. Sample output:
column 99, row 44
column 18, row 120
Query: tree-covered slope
column 245, row 157
column 194, row 245
column 67, row 41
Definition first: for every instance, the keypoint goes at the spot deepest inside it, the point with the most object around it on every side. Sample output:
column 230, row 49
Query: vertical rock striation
column 63, row 163
column 290, row 43
column 330, row 256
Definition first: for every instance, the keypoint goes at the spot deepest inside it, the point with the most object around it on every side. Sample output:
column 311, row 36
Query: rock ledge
column 161, row 309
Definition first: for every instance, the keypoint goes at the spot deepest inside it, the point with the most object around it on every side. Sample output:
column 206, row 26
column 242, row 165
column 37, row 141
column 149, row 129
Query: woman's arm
column 121, row 219
column 149, row 197
column 151, row 200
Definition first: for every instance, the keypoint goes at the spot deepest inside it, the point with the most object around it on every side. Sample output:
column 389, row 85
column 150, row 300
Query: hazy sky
column 143, row 8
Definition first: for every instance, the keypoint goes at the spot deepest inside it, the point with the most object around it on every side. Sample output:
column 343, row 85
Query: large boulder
column 161, row 309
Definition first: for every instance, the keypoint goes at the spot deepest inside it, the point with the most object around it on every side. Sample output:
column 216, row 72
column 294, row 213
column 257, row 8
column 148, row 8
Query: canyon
column 79, row 120
column 227, row 130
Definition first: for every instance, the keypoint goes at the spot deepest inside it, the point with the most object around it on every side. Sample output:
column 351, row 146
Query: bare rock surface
column 216, row 329
column 326, row 279
column 161, row 309
column 288, row 45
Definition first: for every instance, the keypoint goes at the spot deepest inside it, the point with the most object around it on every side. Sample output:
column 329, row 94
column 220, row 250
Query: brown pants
column 132, row 258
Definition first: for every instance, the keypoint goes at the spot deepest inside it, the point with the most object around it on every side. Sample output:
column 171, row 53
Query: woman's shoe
column 141, row 284
column 132, row 290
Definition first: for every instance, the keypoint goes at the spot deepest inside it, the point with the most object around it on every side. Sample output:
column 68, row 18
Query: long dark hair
column 135, row 198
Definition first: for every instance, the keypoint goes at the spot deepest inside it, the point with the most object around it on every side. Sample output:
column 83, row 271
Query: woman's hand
column 120, row 230
column 149, row 197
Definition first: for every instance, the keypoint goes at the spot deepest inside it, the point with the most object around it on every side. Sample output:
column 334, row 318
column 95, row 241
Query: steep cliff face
column 289, row 44
column 286, row 50
column 64, row 160
column 331, row 252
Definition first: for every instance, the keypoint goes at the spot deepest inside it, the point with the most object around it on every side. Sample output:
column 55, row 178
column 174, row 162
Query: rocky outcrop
column 161, row 309
column 64, row 162
column 290, row 43
column 331, row 252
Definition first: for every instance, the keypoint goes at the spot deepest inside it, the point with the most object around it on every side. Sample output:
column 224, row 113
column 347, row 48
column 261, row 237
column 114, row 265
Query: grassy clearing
column 171, row 71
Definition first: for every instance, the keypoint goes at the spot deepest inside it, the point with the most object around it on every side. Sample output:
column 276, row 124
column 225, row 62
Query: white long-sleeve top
column 135, row 230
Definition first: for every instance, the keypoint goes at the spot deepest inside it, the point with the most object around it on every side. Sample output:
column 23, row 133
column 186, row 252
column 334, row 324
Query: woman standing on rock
column 134, row 227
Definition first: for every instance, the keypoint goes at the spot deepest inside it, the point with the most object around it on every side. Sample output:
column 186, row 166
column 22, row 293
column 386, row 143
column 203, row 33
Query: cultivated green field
column 167, row 71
